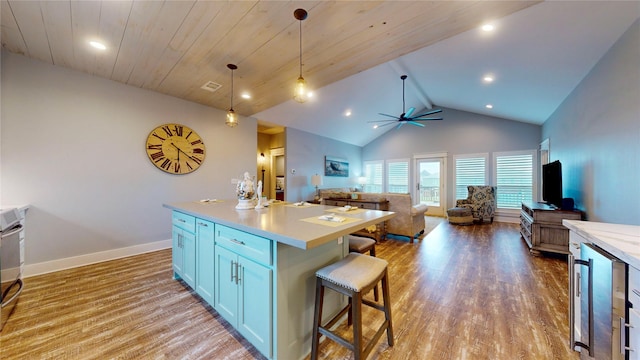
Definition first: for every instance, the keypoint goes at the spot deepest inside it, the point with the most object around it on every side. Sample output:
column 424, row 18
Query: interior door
column 430, row 184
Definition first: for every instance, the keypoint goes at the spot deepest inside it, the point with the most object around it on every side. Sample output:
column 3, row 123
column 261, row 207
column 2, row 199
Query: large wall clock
column 175, row 149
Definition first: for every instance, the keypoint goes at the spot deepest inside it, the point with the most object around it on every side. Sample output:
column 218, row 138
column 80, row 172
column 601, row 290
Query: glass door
column 430, row 184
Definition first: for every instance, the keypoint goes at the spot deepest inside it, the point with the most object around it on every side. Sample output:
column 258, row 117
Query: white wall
column 595, row 133
column 73, row 146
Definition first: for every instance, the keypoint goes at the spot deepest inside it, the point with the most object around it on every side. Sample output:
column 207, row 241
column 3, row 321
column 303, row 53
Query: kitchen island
column 256, row 268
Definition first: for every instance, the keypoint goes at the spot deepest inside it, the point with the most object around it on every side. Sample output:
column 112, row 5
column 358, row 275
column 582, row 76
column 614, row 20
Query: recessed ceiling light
column 488, row 78
column 489, row 106
column 245, row 95
column 98, row 45
column 347, row 113
column 375, row 126
column 487, row 27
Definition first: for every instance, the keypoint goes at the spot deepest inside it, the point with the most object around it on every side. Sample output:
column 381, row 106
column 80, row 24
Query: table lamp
column 316, row 180
column 362, row 181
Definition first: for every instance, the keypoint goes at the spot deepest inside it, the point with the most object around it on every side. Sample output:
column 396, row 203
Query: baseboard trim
column 88, row 259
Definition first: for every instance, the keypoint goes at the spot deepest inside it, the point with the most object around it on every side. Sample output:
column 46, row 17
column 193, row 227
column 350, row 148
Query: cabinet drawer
column 245, row 244
column 368, row 206
column 634, row 288
column 184, row 221
column 335, row 202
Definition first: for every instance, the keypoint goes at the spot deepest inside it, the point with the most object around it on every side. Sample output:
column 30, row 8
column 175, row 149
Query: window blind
column 398, row 176
column 514, row 179
column 373, row 175
column 469, row 171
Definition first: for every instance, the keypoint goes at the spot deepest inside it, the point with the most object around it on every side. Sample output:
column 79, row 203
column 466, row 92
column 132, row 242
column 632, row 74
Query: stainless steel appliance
column 599, row 287
column 11, row 261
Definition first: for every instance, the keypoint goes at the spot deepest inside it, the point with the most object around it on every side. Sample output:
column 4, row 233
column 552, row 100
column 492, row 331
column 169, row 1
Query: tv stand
column 541, row 227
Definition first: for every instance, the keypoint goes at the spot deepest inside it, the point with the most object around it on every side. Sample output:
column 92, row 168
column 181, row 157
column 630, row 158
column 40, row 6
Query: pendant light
column 301, row 93
column 232, row 117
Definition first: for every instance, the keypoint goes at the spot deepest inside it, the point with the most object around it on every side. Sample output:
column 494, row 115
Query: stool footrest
column 337, row 338
column 373, row 304
column 335, row 319
column 375, row 338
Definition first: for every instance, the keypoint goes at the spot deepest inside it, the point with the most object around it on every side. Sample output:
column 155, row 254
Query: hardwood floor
column 462, row 292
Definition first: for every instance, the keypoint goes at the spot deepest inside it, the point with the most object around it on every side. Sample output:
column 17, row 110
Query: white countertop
column 280, row 222
column 622, row 241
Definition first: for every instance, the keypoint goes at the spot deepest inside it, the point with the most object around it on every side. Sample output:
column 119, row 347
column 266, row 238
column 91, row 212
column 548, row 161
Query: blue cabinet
column 244, row 283
column 205, row 260
column 184, row 248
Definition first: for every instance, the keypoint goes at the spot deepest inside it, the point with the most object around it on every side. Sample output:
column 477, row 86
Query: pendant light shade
column 232, row 117
column 301, row 92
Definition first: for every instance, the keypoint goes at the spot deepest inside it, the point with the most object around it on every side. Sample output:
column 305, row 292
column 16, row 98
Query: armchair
column 482, row 202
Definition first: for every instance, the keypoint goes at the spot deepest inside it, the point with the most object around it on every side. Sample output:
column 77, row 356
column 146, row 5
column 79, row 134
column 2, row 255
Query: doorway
column 430, row 182
column 278, row 174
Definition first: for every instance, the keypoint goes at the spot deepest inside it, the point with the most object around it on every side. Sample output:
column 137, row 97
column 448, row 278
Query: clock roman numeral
column 178, row 130
column 198, row 151
column 166, row 164
column 189, row 165
column 155, row 147
column 196, row 142
column 189, row 134
column 158, row 136
column 199, row 161
column 176, row 167
column 167, row 130
column 156, row 156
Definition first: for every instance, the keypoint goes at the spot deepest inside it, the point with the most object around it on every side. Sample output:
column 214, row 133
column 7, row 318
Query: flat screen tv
column 552, row 183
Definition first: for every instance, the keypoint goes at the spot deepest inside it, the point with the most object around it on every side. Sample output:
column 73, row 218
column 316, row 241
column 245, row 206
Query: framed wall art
column 334, row 166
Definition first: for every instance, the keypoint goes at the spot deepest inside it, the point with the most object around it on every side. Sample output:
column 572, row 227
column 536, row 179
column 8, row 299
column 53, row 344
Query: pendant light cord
column 300, row 22
column 231, row 89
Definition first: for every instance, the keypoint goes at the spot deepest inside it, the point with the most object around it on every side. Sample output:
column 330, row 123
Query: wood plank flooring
column 462, row 292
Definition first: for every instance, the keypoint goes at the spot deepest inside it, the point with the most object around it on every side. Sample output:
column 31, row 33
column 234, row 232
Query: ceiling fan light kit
column 300, row 93
column 405, row 117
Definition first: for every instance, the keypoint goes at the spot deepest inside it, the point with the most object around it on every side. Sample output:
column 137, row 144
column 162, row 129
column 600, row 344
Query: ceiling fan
column 405, row 117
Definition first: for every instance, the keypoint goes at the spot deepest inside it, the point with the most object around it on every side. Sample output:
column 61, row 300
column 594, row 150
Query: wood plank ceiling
column 175, row 47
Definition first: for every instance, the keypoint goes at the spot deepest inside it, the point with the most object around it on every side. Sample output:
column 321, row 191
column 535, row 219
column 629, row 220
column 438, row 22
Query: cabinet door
column 255, row 307
column 176, row 252
column 226, row 293
column 205, row 268
column 189, row 258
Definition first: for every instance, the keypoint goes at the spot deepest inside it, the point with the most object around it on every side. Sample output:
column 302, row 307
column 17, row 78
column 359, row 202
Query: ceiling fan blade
column 415, row 123
column 399, row 125
column 428, row 113
column 378, row 121
column 387, row 124
column 391, row 116
column 408, row 113
column 423, row 119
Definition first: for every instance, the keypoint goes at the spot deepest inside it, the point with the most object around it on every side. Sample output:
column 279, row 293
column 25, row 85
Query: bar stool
column 352, row 276
column 363, row 245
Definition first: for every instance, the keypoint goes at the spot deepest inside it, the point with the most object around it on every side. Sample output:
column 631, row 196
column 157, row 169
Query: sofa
column 409, row 219
column 481, row 200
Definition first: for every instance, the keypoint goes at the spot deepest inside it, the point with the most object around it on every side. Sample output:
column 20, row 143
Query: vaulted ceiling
column 353, row 53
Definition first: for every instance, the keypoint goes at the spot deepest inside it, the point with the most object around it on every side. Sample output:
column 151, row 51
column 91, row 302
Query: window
column 470, row 170
column 514, row 174
column 398, row 176
column 373, row 176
